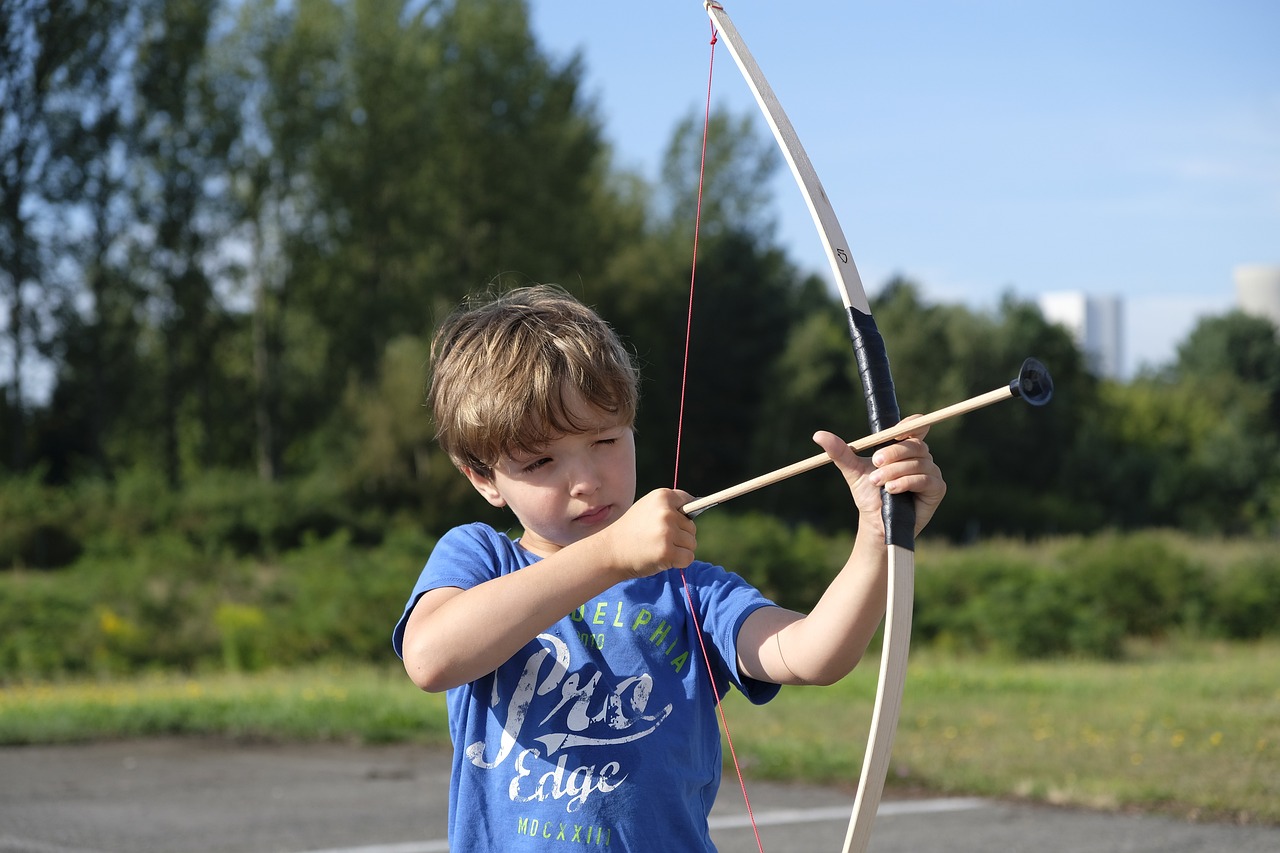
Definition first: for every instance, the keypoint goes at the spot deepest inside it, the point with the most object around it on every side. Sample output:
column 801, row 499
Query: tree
column 188, row 119
column 1228, row 373
column 96, row 323
column 56, row 61
column 1007, row 464
column 1240, row 345
column 747, row 297
column 458, row 154
column 398, row 156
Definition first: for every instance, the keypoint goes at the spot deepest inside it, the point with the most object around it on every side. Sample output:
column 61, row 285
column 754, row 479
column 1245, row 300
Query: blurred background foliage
column 228, row 229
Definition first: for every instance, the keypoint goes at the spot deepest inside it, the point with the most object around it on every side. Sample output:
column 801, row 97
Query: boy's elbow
column 425, row 666
column 825, row 678
column 425, row 678
column 835, row 671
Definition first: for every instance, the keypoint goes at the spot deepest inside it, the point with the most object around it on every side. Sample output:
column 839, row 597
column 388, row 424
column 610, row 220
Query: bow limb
column 882, row 411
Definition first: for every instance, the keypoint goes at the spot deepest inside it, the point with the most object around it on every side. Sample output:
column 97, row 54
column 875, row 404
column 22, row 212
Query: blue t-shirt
column 601, row 733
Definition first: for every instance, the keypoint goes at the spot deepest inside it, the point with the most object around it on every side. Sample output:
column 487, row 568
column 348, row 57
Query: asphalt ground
column 212, row 796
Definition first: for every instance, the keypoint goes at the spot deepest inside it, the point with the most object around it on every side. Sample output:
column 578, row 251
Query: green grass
column 1192, row 730
column 350, row 703
column 1194, row 733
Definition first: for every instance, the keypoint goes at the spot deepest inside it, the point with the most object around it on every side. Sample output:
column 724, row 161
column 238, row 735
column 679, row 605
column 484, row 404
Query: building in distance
column 1096, row 323
column 1258, row 290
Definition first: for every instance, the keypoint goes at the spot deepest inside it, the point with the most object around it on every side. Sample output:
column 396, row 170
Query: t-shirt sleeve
column 464, row 557
column 725, row 600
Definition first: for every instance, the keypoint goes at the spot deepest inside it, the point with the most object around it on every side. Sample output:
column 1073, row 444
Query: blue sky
column 1127, row 148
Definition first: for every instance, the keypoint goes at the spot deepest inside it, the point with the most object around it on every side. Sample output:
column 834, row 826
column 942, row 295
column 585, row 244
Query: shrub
column 790, row 565
column 1138, row 581
column 1246, row 600
column 40, row 528
column 48, row 627
column 168, row 602
column 241, row 627
column 952, row 590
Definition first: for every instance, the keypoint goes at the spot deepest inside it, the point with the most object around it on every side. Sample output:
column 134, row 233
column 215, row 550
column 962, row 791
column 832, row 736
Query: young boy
column 578, row 695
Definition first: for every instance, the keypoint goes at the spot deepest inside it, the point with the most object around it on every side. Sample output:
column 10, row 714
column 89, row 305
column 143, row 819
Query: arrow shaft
column 893, row 433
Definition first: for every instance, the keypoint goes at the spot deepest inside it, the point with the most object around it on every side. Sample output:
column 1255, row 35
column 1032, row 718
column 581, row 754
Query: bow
column 882, row 412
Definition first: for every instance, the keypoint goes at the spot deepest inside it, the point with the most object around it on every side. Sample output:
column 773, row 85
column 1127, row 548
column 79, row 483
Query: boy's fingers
column 836, row 447
column 917, row 433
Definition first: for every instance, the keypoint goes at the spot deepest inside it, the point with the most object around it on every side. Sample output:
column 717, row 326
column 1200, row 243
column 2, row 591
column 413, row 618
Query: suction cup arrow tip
column 1034, row 384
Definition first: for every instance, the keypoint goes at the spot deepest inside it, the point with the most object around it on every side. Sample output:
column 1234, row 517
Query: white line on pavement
column 774, row 817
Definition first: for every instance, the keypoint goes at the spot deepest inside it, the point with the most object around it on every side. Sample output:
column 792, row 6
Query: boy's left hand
column 904, row 466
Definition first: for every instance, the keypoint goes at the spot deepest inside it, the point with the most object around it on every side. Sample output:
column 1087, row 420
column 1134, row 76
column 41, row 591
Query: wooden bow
column 882, row 411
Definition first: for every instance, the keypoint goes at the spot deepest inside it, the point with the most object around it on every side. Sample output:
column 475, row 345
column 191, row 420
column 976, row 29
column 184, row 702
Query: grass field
column 1192, row 731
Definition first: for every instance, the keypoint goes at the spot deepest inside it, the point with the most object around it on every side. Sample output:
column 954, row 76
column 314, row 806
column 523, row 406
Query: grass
column 348, row 703
column 1192, row 731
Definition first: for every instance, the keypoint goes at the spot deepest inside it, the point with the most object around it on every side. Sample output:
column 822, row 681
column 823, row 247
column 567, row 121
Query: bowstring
column 684, row 385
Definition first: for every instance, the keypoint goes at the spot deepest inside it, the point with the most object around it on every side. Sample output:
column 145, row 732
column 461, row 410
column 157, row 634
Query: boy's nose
column 584, row 479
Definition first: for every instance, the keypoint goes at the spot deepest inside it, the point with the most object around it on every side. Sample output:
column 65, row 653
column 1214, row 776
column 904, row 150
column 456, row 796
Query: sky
column 1124, row 148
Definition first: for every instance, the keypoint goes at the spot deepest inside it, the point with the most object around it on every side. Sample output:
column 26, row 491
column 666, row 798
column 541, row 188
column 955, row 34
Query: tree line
column 227, row 230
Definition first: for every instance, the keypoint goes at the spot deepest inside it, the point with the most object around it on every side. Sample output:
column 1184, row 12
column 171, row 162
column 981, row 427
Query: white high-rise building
column 1258, row 290
column 1096, row 323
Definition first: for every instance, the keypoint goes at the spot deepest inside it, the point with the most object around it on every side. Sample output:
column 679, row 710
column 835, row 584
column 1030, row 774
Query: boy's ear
column 486, row 487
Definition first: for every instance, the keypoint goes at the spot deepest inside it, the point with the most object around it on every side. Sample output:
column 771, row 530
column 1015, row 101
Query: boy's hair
column 505, row 370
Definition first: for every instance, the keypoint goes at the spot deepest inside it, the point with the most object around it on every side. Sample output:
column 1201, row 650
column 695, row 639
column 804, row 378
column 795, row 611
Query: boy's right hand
column 653, row 535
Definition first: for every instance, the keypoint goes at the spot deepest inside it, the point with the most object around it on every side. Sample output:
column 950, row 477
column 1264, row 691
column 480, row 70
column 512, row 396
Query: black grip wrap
column 899, row 511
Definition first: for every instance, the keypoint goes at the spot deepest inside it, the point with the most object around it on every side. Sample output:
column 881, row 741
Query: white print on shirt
column 586, row 714
column 578, row 784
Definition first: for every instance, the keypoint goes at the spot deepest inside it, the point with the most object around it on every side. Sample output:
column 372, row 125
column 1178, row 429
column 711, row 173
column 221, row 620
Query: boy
column 578, row 695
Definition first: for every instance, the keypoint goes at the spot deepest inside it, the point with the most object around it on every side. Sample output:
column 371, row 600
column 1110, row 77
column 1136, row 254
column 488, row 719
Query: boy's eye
column 536, row 464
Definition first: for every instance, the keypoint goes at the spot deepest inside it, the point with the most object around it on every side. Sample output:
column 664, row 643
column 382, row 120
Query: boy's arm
column 454, row 636
column 786, row 647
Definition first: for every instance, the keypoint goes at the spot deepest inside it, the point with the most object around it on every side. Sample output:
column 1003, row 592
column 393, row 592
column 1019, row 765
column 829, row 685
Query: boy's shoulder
column 480, row 542
column 480, row 533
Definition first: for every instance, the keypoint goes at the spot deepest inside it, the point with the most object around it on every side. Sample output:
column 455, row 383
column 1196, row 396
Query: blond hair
column 506, row 369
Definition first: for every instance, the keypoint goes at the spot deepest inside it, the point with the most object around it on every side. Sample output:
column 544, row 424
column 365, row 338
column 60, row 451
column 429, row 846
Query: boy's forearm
column 827, row 644
column 474, row 631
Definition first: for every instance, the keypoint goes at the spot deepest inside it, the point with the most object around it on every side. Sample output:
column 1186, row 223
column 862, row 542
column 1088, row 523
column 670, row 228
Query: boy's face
column 576, row 485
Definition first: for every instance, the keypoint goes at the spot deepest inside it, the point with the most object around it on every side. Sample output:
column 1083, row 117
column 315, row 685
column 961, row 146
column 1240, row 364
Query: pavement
column 178, row 795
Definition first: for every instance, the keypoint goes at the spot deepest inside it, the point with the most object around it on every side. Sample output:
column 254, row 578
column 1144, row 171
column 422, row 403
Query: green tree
column 1228, row 369
column 405, row 155
column 56, row 74
column 190, row 119
column 1007, row 465
column 458, row 154
column 1243, row 346
column 746, row 298
column 63, row 137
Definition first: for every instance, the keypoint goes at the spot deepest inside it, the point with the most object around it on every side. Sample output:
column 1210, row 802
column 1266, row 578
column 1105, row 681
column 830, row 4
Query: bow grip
column 898, row 511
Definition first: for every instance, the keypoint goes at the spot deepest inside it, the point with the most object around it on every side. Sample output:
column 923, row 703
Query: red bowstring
column 684, row 378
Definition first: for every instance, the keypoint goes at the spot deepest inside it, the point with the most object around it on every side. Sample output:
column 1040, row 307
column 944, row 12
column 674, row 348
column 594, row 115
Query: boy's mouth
column 595, row 515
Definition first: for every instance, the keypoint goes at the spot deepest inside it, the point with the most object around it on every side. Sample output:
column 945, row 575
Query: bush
column 952, row 590
column 48, row 527
column 987, row 600
column 168, row 602
column 39, row 529
column 792, row 565
column 1139, row 582
column 169, row 605
column 48, row 628
column 1246, row 600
